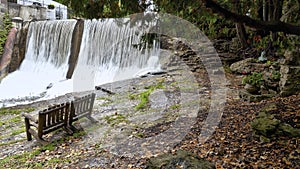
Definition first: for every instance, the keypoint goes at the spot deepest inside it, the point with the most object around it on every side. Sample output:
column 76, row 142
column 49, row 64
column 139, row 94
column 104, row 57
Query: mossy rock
column 182, row 159
column 267, row 126
column 288, row 130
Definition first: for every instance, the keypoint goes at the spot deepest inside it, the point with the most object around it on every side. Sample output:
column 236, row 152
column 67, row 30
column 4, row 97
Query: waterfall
column 49, row 42
column 110, row 52
column 45, row 62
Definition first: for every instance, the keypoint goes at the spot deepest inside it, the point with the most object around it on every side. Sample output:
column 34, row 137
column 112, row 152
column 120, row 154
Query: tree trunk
column 240, row 28
column 241, row 33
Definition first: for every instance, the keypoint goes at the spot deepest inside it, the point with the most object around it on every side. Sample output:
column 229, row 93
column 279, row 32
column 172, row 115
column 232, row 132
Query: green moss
column 181, row 157
column 286, row 129
column 267, row 126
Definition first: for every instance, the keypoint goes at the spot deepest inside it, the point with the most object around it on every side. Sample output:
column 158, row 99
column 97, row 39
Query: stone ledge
column 246, row 96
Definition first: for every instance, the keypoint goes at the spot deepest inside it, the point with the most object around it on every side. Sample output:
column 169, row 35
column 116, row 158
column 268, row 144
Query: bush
column 255, row 79
column 7, row 25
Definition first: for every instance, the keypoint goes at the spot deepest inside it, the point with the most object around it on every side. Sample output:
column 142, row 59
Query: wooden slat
column 82, row 107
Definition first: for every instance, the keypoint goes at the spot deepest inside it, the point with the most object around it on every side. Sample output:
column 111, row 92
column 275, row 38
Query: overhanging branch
column 274, row 26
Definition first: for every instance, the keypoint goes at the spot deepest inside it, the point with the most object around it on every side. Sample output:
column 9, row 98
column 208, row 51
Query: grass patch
column 6, row 111
column 140, row 135
column 16, row 119
column 11, row 142
column 175, row 106
column 115, row 119
column 144, row 96
column 15, row 161
column 21, row 160
column 79, row 134
column 103, row 98
column 16, row 132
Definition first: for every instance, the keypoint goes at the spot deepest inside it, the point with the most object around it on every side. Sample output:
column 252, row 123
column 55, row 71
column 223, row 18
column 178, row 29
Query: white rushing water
column 107, row 54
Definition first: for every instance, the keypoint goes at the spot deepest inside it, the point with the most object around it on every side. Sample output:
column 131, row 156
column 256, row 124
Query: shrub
column 7, row 25
column 255, row 79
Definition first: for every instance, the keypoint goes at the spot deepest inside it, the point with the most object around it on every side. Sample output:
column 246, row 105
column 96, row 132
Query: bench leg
column 68, row 130
column 92, row 119
column 73, row 128
column 37, row 137
column 27, row 127
column 42, row 141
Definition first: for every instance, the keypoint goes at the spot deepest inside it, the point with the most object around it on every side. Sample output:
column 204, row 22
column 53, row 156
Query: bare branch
column 274, row 26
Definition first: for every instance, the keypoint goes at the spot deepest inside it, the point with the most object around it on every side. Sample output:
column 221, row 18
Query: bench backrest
column 53, row 118
column 82, row 106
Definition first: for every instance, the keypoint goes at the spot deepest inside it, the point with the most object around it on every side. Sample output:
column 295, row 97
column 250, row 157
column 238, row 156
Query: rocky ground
column 174, row 118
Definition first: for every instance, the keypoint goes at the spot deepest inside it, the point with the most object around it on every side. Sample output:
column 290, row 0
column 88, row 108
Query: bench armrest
column 31, row 118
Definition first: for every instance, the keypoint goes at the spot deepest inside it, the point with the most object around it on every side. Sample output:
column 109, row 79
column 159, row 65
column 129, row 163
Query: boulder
column 292, row 58
column 267, row 126
column 243, row 66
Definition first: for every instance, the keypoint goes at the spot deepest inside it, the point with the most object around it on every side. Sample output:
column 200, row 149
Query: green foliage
column 7, row 25
column 255, row 79
column 212, row 25
column 275, row 75
column 104, row 8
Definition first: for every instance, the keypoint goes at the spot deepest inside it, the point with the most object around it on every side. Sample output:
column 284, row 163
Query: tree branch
column 274, row 26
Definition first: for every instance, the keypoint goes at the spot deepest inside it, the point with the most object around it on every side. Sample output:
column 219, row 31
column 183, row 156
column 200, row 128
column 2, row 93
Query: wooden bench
column 82, row 107
column 59, row 116
column 49, row 119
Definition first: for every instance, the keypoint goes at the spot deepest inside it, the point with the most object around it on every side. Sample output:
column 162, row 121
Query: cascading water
column 45, row 63
column 109, row 51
